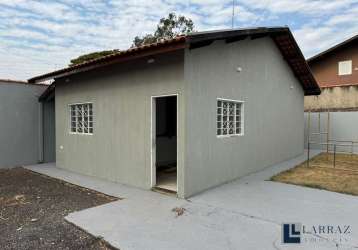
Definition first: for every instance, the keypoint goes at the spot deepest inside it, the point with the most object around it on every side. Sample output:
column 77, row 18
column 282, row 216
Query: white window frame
column 343, row 65
column 70, row 121
column 242, row 121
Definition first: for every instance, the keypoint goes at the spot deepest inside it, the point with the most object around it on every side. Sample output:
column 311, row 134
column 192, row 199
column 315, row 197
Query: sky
column 37, row 37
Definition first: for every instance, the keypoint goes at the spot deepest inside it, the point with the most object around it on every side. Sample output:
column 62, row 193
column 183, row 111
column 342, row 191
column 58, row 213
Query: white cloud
column 40, row 36
column 306, row 7
column 320, row 35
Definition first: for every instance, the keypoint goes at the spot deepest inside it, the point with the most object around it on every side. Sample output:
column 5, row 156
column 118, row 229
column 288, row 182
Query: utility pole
column 233, row 15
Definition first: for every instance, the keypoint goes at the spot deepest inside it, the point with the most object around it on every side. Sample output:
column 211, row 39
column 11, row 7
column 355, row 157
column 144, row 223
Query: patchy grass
column 343, row 161
column 322, row 175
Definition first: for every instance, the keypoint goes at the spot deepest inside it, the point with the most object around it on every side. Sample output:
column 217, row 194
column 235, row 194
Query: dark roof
column 12, row 81
column 335, row 47
column 282, row 37
column 121, row 56
column 18, row 82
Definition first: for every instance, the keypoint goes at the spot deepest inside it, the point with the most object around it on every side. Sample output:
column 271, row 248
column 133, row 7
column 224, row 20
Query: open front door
column 164, row 143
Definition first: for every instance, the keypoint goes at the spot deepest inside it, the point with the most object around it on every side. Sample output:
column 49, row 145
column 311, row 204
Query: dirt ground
column 32, row 211
column 321, row 173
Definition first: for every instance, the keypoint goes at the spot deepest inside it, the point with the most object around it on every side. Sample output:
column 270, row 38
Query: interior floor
column 167, row 178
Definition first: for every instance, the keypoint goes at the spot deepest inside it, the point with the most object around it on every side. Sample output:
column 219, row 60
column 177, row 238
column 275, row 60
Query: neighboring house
column 184, row 114
column 20, row 123
column 336, row 71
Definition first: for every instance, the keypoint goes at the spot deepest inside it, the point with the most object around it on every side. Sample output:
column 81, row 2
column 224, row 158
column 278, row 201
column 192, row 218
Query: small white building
column 184, row 114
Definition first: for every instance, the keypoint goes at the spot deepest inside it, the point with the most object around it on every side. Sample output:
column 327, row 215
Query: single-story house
column 21, row 116
column 185, row 114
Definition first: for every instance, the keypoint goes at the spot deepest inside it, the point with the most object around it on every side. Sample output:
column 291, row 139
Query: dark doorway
column 49, row 131
column 166, row 142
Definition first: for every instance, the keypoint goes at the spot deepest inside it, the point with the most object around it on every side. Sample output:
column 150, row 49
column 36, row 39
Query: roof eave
column 312, row 92
column 48, row 93
column 113, row 59
column 282, row 36
column 331, row 49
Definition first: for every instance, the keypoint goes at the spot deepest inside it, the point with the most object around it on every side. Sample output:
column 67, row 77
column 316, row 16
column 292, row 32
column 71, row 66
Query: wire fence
column 338, row 154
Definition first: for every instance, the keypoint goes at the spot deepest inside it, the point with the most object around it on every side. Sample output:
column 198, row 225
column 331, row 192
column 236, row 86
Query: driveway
column 244, row 214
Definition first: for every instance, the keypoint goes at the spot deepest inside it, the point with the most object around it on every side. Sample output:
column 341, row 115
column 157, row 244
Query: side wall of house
column 120, row 147
column 273, row 111
column 19, row 126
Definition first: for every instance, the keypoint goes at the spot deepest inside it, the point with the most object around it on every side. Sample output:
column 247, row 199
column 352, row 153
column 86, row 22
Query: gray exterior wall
column 273, row 111
column 120, row 148
column 19, row 124
column 49, row 132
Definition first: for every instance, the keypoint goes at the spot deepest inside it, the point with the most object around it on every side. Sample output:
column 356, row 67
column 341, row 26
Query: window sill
column 73, row 133
column 227, row 136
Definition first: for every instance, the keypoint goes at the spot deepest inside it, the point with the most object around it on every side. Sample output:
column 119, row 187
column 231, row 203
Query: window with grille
column 229, row 118
column 81, row 118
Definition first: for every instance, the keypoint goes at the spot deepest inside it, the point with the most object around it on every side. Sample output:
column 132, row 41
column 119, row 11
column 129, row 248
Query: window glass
column 81, row 118
column 345, row 68
column 229, row 118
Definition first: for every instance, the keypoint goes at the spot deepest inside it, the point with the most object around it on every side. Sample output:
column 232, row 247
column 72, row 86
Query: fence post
column 328, row 128
column 308, row 154
column 334, row 155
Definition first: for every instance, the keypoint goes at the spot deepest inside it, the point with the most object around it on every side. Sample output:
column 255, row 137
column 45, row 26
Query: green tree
column 168, row 27
column 91, row 56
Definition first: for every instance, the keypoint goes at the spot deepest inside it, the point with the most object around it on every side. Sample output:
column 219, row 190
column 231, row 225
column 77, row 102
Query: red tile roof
column 125, row 55
column 282, row 36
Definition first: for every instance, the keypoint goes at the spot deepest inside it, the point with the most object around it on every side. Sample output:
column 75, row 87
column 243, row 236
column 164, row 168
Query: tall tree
column 91, row 56
column 168, row 27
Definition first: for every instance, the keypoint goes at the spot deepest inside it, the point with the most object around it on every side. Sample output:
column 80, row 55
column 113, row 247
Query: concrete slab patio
column 244, row 214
